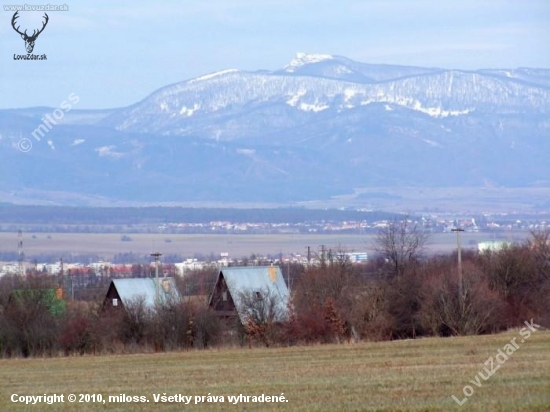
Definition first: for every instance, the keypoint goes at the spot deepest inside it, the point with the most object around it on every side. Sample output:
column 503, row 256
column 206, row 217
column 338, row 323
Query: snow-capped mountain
column 238, row 134
column 311, row 84
column 342, row 68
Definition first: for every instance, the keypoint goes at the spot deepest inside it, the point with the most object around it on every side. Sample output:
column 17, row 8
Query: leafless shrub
column 171, row 326
column 30, row 323
column 369, row 315
column 444, row 312
column 136, row 322
column 262, row 311
column 206, row 328
column 518, row 274
column 401, row 243
column 78, row 332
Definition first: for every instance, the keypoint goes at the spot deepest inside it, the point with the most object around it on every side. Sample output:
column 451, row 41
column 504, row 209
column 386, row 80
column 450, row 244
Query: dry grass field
column 108, row 244
column 451, row 199
column 412, row 375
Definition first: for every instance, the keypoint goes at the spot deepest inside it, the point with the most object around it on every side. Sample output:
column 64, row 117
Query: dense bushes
column 403, row 296
column 29, row 328
column 420, row 296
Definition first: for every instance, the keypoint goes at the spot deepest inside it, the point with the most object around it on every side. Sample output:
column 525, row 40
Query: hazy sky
column 113, row 53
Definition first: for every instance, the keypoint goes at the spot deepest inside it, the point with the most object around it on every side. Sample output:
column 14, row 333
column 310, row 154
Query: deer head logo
column 29, row 40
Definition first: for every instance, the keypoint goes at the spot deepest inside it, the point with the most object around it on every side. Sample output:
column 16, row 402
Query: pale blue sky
column 113, row 53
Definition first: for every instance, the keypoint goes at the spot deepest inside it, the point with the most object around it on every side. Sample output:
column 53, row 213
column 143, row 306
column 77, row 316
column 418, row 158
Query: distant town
column 13, row 259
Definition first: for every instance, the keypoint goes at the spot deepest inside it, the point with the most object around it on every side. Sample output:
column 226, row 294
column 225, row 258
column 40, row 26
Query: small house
column 232, row 282
column 151, row 291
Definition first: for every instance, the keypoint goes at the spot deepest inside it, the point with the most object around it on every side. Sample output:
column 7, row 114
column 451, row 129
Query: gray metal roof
column 136, row 288
column 256, row 278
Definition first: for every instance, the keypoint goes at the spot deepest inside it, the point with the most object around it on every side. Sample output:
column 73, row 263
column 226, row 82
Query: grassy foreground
column 417, row 375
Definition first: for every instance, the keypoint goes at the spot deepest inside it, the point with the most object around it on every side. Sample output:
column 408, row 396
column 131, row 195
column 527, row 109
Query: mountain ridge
column 328, row 126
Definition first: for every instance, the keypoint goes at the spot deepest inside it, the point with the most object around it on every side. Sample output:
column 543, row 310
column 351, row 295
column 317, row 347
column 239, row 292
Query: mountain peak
column 302, row 59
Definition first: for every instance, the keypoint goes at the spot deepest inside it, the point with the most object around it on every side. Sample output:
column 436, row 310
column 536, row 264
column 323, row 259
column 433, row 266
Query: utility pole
column 157, row 256
column 20, row 269
column 459, row 257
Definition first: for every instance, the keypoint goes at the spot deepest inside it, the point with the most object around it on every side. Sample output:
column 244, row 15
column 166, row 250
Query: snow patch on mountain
column 293, row 101
column 212, row 75
column 302, row 59
column 108, row 151
column 349, row 93
column 313, row 107
column 431, row 143
column 305, row 106
column 246, row 152
column 189, row 111
column 439, row 112
column 341, row 69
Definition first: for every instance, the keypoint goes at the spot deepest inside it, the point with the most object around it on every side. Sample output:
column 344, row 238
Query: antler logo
column 29, row 40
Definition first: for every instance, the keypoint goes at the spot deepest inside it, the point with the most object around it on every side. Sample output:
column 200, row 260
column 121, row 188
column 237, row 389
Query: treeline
column 405, row 295
column 35, row 321
column 400, row 294
column 65, row 215
column 33, row 329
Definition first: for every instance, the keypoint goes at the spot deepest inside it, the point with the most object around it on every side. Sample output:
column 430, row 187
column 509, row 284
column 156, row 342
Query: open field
column 108, row 244
column 412, row 199
column 411, row 375
column 450, row 199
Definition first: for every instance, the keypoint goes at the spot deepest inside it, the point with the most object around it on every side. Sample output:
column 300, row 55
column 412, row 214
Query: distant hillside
column 321, row 126
column 52, row 215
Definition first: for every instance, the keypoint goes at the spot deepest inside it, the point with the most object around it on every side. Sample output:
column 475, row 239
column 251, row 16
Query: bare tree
column 540, row 245
column 136, row 322
column 171, row 325
column 441, row 311
column 30, row 322
column 197, row 281
column 519, row 274
column 262, row 310
column 333, row 279
column 369, row 315
column 206, row 329
column 78, row 331
column 401, row 243
column 325, row 300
